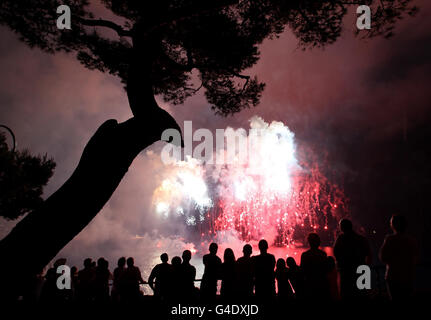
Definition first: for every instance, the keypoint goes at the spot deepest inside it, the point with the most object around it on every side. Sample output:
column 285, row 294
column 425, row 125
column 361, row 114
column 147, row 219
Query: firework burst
column 271, row 195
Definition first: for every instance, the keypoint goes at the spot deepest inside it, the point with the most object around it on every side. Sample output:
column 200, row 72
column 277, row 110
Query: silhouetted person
column 296, row 277
column 284, row 291
column 228, row 275
column 350, row 250
column 162, row 274
column 74, row 282
column 399, row 252
column 118, row 283
column 49, row 288
column 244, row 273
column 86, row 277
column 101, row 281
column 332, row 276
column 176, row 280
column 314, row 266
column 50, row 292
column 211, row 274
column 188, row 276
column 264, row 275
column 34, row 293
column 132, row 280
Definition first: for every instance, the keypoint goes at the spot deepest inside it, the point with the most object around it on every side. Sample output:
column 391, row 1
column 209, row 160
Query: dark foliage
column 187, row 45
column 22, row 178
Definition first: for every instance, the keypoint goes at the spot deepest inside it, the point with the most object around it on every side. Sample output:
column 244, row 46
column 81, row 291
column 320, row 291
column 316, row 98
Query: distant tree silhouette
column 156, row 48
column 22, row 178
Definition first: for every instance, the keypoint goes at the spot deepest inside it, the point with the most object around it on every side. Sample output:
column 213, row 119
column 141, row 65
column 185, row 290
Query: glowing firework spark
column 271, row 195
column 183, row 191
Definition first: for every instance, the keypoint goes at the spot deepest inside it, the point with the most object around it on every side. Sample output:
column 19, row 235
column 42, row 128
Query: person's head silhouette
column 263, row 246
column 398, row 223
column 176, row 261
column 73, row 270
column 59, row 262
column 187, row 255
column 281, row 265
column 213, row 248
column 313, row 240
column 346, row 226
column 130, row 262
column 164, row 257
column 247, row 250
column 228, row 256
column 121, row 262
column 101, row 262
column 291, row 263
column 88, row 263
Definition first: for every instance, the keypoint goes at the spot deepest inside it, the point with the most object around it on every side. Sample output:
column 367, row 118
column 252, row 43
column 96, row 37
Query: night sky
column 363, row 106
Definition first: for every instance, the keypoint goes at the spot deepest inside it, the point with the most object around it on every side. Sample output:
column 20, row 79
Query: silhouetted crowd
column 318, row 277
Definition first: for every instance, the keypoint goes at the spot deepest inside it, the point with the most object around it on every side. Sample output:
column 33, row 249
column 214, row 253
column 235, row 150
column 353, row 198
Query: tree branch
column 195, row 89
column 192, row 10
column 176, row 15
column 176, row 65
column 242, row 76
column 106, row 23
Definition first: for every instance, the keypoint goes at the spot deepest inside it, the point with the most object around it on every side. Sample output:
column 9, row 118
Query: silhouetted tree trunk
column 37, row 239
